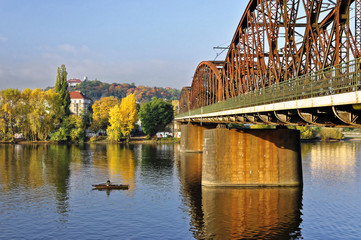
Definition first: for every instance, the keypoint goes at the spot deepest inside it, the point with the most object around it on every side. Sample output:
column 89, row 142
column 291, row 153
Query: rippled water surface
column 46, row 193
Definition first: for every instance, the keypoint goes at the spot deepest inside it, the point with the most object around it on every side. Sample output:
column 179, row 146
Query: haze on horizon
column 152, row 43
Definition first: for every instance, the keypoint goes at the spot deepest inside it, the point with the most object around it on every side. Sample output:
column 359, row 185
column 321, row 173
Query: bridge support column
column 265, row 157
column 192, row 137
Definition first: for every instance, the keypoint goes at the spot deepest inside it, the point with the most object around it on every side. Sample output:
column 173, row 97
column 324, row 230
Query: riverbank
column 103, row 140
column 348, row 136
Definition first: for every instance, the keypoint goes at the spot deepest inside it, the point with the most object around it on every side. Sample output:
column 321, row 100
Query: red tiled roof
column 77, row 95
column 74, row 81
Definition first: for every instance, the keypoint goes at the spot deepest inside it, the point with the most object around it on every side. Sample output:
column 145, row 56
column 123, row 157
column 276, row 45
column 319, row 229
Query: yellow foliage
column 122, row 118
column 260, row 126
column 331, row 133
column 175, row 104
column 306, row 132
column 30, row 112
column 101, row 110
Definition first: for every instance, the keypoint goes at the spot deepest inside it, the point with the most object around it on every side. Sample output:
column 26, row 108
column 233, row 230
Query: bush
column 261, row 126
column 72, row 128
column 330, row 133
column 60, row 135
column 93, row 139
column 307, row 132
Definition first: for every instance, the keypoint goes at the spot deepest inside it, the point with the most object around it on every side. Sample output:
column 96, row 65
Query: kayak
column 111, row 186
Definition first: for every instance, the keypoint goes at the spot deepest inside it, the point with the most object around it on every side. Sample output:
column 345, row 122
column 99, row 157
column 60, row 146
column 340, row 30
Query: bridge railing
column 337, row 79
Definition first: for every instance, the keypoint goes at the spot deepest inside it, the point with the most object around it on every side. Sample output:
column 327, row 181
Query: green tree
column 306, row 132
column 61, row 87
column 155, row 115
column 71, row 129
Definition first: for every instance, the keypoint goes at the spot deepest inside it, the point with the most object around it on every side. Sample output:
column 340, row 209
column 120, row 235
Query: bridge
column 290, row 62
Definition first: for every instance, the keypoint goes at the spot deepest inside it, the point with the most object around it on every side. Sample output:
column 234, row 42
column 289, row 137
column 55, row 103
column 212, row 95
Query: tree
column 155, row 115
column 72, row 128
column 97, row 89
column 36, row 113
column 330, row 133
column 61, row 87
column 9, row 111
column 101, row 110
column 175, row 104
column 122, row 118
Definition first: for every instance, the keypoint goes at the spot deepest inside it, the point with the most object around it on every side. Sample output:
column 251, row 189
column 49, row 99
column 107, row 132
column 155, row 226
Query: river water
column 46, row 193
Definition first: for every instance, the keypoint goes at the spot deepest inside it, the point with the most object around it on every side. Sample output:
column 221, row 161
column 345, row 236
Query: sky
column 146, row 42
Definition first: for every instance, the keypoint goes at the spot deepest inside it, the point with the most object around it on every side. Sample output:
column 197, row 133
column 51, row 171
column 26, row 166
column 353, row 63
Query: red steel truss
column 277, row 40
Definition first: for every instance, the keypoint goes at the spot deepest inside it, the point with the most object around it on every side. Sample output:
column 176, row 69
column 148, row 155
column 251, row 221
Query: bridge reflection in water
column 233, row 212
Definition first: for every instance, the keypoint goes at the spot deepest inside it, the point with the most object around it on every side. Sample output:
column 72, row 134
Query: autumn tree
column 33, row 113
column 61, row 87
column 101, row 110
column 122, row 118
column 97, row 89
column 155, row 115
column 44, row 113
column 9, row 111
column 175, row 104
column 36, row 113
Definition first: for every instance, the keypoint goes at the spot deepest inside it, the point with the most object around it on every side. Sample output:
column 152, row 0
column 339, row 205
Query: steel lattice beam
column 277, row 40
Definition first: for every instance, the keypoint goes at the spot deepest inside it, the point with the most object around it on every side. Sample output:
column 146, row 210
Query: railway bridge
column 290, row 62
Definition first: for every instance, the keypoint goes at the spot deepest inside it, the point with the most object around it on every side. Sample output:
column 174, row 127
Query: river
column 46, row 193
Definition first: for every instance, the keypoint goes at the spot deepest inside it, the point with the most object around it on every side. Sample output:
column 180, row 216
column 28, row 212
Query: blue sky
column 148, row 42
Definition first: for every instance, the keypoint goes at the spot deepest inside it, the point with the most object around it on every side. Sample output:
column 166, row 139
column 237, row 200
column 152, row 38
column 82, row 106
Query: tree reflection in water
column 40, row 168
column 122, row 165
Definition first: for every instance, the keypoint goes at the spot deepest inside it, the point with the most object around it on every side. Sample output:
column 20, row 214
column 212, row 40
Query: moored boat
column 110, row 186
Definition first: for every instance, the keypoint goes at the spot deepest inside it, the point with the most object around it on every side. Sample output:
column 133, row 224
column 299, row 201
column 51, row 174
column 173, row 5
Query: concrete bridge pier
column 258, row 157
column 192, row 137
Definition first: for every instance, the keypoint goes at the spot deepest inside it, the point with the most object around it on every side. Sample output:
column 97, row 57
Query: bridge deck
column 351, row 98
column 339, row 85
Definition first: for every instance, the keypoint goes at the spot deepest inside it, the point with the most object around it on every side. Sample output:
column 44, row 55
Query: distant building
column 73, row 82
column 79, row 103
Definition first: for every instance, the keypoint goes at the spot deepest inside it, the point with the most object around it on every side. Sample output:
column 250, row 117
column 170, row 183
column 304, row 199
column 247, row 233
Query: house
column 79, row 103
column 73, row 82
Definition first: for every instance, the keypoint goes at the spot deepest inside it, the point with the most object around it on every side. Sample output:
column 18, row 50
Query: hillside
column 97, row 89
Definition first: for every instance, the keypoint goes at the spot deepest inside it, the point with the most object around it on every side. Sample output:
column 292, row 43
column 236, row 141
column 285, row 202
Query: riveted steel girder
column 275, row 41
column 207, row 86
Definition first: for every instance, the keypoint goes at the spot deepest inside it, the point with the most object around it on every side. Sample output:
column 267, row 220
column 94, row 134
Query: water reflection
column 190, row 174
column 156, row 165
column 237, row 213
column 122, row 165
column 37, row 168
column 253, row 213
column 115, row 162
column 332, row 160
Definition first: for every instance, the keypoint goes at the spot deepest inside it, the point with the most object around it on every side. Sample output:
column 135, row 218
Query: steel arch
column 184, row 103
column 206, row 86
column 277, row 40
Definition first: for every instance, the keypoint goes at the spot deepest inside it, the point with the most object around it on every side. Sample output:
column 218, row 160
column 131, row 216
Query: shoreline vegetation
column 51, row 116
column 344, row 135
column 157, row 141
column 100, row 140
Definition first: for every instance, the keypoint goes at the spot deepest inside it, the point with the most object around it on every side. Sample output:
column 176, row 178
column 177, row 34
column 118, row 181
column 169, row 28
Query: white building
column 79, row 103
column 73, row 82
